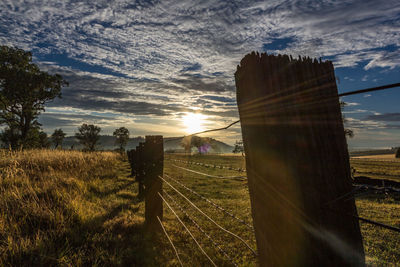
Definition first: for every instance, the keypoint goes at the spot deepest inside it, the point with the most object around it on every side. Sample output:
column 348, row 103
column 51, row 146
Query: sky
column 152, row 66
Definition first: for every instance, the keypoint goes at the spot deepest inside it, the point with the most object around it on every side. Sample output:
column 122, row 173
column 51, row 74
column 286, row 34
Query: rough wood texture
column 140, row 168
column 296, row 161
column 154, row 160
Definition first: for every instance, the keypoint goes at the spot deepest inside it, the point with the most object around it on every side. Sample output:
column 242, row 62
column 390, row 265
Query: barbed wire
column 389, row 227
column 215, row 243
column 355, row 189
column 170, row 241
column 211, row 176
column 212, row 203
column 190, row 233
column 361, row 91
column 378, row 88
column 208, row 217
column 210, row 165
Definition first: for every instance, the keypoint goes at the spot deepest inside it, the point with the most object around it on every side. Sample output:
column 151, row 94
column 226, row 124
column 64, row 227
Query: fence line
column 170, row 241
column 389, row 227
column 212, row 203
column 209, row 165
column 212, row 176
column 190, row 233
column 208, row 217
column 200, row 229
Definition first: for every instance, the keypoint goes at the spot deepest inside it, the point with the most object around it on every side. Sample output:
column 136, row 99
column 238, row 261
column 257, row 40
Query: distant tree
column 57, row 137
column 238, row 147
column 122, row 137
column 88, row 136
column 35, row 138
column 24, row 90
column 347, row 132
column 398, row 153
column 44, row 141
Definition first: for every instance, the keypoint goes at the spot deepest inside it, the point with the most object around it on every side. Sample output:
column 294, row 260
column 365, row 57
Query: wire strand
column 209, row 165
column 190, row 233
column 211, row 176
column 378, row 88
column 212, row 203
column 389, row 227
column 208, row 217
column 170, row 241
column 215, row 244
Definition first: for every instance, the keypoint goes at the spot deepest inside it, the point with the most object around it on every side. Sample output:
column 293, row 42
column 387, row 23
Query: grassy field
column 377, row 166
column 381, row 246
column 68, row 208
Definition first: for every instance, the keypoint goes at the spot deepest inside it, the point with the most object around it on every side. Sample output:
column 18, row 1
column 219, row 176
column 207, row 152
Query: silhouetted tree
column 398, row 153
column 44, row 141
column 347, row 132
column 122, row 137
column 24, row 90
column 35, row 138
column 88, row 136
column 57, row 137
column 238, row 147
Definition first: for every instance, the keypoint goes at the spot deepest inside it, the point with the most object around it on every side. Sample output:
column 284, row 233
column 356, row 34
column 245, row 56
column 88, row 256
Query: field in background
column 78, row 209
column 384, row 166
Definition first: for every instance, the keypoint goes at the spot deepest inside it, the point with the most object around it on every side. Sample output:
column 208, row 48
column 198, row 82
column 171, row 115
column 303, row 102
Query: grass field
column 68, row 208
column 377, row 166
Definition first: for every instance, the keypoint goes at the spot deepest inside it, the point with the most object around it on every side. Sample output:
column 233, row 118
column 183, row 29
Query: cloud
column 393, row 117
column 160, row 58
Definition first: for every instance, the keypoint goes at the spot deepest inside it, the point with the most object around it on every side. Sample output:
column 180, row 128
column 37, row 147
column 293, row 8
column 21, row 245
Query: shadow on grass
column 114, row 238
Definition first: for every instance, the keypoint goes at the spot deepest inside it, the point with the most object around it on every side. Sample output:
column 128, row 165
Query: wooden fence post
column 140, row 168
column 297, row 162
column 153, row 184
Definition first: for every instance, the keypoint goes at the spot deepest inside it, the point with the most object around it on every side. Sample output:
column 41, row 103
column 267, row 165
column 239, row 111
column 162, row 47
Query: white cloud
column 173, row 53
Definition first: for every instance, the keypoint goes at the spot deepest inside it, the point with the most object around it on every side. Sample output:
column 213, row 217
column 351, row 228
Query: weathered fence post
column 140, row 168
column 154, row 150
column 297, row 162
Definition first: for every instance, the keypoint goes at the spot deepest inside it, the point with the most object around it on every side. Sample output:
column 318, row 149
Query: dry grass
column 68, row 208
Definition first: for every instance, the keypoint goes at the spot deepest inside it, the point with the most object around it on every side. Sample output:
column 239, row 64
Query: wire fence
column 357, row 190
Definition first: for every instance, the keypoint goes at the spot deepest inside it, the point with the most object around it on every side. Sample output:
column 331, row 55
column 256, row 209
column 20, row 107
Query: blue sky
column 145, row 64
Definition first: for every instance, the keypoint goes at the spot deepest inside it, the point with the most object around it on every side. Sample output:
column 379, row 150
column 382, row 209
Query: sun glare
column 194, row 122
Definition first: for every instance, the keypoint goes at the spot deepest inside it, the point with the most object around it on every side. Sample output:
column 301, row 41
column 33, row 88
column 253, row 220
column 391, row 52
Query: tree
column 24, row 90
column 122, row 137
column 238, row 147
column 347, row 132
column 35, row 138
column 88, row 136
column 57, row 137
column 44, row 141
column 398, row 152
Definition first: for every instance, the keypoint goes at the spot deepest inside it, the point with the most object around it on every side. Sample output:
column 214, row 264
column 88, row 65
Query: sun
column 194, row 122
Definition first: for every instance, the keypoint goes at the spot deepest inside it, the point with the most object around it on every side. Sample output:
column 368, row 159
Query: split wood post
column 153, row 184
column 140, row 172
column 297, row 162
